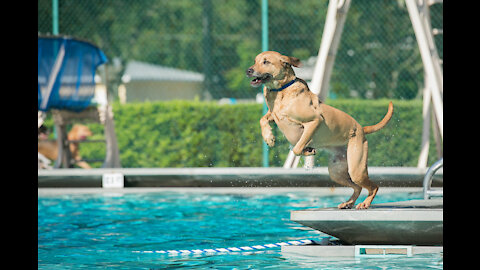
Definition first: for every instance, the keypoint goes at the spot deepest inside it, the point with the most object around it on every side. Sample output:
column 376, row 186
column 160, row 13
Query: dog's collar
column 285, row 86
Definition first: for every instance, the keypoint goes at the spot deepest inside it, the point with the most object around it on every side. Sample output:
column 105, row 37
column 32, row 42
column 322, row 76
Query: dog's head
column 79, row 132
column 271, row 66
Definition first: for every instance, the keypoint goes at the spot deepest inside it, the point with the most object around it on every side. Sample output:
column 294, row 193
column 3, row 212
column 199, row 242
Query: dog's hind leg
column 308, row 130
column 357, row 151
column 338, row 170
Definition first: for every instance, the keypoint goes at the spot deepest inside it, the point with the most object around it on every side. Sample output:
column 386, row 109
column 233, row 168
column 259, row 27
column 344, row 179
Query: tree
column 377, row 56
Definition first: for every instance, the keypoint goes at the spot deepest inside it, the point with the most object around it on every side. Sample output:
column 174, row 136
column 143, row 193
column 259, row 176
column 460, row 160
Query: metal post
column 336, row 16
column 265, row 48
column 55, row 17
column 427, row 180
column 207, row 48
column 426, row 113
column 429, row 63
column 55, row 32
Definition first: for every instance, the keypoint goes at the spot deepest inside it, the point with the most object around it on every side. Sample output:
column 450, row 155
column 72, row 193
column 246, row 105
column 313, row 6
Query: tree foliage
column 205, row 134
column 377, row 57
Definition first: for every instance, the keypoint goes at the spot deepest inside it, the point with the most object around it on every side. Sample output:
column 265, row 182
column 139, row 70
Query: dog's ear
column 293, row 61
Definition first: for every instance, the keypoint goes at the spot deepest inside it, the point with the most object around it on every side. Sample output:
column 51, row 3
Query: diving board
column 415, row 222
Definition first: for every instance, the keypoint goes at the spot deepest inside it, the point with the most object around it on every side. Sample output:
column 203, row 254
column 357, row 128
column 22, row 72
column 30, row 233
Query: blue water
column 102, row 231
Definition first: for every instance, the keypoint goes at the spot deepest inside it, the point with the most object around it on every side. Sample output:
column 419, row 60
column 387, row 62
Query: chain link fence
column 217, row 40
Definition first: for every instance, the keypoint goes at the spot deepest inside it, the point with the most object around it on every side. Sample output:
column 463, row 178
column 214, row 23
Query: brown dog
column 78, row 133
column 308, row 124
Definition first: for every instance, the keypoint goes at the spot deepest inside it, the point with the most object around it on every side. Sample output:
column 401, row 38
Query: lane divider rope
column 227, row 250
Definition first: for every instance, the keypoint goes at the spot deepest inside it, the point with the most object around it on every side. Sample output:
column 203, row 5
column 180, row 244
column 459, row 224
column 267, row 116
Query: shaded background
column 212, row 43
column 378, row 55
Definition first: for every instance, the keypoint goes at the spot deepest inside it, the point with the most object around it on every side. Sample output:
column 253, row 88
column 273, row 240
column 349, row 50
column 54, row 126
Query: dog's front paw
column 308, row 151
column 270, row 140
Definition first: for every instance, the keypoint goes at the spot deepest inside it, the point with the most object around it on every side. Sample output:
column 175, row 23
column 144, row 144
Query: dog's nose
column 249, row 71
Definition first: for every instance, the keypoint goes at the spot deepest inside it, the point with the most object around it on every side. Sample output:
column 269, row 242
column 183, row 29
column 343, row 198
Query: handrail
column 427, row 180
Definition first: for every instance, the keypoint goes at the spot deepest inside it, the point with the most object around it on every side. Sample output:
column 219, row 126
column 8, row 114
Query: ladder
column 428, row 191
column 419, row 11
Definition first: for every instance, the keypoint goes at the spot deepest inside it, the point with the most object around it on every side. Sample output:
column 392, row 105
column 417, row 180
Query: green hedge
column 205, row 134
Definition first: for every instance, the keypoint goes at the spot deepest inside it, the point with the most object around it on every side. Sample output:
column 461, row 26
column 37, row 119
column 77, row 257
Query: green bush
column 205, row 134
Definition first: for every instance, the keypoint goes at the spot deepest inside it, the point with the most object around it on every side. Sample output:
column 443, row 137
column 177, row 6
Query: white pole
column 425, row 16
column 336, row 15
column 309, row 162
column 289, row 161
column 296, row 161
column 53, row 76
column 427, row 99
column 292, row 161
column 436, row 85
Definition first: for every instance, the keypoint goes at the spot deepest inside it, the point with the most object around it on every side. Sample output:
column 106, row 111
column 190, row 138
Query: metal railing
column 428, row 191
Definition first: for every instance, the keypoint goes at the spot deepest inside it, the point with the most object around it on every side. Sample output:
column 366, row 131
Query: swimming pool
column 86, row 231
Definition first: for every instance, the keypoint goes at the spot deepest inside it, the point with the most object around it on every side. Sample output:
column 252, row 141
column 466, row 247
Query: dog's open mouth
column 257, row 81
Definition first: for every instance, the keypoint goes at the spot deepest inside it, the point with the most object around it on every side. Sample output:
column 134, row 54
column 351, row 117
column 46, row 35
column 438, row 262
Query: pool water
column 103, row 231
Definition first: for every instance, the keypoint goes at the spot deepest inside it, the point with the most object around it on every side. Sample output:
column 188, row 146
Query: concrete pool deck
column 318, row 191
column 228, row 177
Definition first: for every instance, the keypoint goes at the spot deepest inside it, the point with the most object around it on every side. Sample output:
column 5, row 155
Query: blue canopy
column 66, row 73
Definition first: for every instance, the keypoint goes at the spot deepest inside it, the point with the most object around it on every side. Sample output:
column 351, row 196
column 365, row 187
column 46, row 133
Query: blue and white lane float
column 227, row 250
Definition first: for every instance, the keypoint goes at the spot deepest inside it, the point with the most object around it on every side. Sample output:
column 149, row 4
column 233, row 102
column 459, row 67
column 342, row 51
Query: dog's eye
column 265, row 62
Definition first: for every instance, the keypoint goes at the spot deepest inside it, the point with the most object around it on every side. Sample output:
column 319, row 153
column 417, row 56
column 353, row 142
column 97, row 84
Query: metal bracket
column 374, row 251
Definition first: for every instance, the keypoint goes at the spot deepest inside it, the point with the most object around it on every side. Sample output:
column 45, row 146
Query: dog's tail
column 381, row 124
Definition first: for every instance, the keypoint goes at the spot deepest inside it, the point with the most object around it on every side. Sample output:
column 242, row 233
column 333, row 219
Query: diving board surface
column 415, row 222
